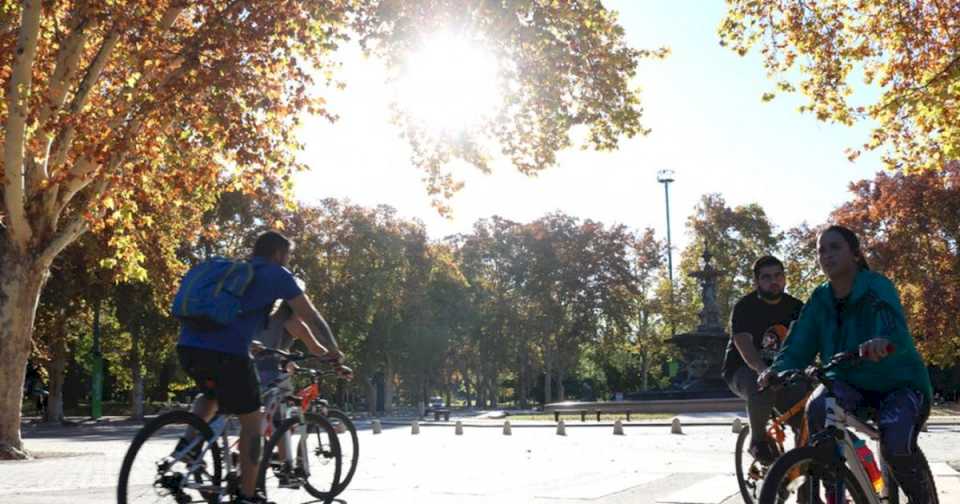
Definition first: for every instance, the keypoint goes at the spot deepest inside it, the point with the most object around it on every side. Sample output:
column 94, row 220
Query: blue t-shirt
column 270, row 283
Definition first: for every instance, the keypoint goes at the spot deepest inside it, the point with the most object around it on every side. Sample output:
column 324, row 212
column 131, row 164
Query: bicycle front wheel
column 152, row 472
column 349, row 446
column 750, row 472
column 805, row 476
column 302, row 454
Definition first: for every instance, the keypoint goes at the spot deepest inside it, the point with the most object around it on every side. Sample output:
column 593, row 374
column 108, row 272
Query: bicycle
column 750, row 476
column 171, row 466
column 308, row 401
column 831, row 456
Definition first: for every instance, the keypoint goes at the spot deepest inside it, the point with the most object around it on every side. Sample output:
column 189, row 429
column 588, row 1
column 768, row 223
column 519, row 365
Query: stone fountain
column 702, row 349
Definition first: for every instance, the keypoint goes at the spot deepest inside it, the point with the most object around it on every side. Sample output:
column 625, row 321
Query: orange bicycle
column 750, row 471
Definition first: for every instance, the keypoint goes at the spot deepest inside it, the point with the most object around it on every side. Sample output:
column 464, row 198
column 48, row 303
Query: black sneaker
column 764, row 452
column 256, row 499
column 287, row 477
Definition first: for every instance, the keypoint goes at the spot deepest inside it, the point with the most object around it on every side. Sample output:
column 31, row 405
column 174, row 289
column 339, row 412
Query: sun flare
column 450, row 84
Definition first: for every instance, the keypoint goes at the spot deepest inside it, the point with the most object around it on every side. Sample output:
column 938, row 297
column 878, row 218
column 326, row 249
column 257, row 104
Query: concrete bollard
column 618, row 428
column 458, row 429
column 507, row 431
column 561, row 428
column 675, row 427
column 415, row 427
column 737, row 425
column 377, row 428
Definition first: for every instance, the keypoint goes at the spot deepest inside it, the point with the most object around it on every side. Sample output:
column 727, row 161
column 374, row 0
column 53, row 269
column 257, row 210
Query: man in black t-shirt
column 758, row 325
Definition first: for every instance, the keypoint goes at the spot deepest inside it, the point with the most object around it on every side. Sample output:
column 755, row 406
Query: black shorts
column 229, row 379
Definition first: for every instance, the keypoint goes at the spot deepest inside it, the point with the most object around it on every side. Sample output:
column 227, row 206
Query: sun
column 450, row 84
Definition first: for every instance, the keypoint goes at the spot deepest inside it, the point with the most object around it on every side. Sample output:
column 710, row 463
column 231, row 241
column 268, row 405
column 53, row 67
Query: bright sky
column 709, row 126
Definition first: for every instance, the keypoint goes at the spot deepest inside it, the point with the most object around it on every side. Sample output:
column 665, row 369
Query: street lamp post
column 665, row 177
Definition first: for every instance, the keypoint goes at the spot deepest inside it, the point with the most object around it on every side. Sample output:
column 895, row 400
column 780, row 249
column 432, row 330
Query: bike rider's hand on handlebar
column 875, row 349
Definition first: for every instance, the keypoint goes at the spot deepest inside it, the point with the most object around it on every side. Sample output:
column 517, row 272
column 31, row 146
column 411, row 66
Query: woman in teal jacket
column 859, row 310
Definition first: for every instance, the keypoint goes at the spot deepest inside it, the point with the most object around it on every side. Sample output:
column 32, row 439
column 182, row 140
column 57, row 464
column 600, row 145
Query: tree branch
column 67, row 64
column 65, row 237
column 57, row 198
column 63, row 141
column 21, row 79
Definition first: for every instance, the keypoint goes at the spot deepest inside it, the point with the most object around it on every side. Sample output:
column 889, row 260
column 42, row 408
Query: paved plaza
column 590, row 465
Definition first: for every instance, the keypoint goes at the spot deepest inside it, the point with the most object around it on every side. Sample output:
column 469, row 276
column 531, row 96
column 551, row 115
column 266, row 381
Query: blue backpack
column 209, row 294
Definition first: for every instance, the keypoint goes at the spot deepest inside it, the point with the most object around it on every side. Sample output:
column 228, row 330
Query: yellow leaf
column 108, row 202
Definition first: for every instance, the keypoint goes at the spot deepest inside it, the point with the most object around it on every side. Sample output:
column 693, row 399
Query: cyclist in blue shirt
column 219, row 360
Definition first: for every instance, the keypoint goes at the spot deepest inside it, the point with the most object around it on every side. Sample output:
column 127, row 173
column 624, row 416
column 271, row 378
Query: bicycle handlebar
column 334, row 362
column 818, row 373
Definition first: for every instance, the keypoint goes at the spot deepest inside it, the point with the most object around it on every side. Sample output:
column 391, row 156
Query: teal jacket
column 872, row 310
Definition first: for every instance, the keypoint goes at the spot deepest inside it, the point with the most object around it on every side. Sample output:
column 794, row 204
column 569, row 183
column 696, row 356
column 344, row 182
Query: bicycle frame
column 840, row 419
column 776, row 431
column 270, row 397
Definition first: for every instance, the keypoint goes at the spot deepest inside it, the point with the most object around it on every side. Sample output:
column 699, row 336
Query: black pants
column 743, row 382
column 229, row 379
column 900, row 414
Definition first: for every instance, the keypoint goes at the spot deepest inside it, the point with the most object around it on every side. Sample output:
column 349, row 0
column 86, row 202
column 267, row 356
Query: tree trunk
column 466, row 391
column 494, row 391
column 371, row 397
column 645, row 370
column 522, row 385
column 547, row 378
column 646, row 352
column 136, row 393
column 481, row 393
column 561, row 393
column 388, row 388
column 58, row 367
column 20, row 287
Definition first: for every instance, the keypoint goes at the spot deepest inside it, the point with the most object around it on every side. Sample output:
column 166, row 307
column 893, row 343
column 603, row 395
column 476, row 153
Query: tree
column 105, row 103
column 905, row 50
column 736, row 237
column 800, row 261
column 110, row 108
column 910, row 227
column 648, row 258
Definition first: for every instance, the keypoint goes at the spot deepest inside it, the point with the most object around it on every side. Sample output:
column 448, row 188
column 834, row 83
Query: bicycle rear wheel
column 804, row 476
column 316, row 457
column 349, row 446
column 151, row 473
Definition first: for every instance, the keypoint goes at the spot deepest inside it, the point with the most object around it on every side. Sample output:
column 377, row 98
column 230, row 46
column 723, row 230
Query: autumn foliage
column 911, row 228
column 889, row 62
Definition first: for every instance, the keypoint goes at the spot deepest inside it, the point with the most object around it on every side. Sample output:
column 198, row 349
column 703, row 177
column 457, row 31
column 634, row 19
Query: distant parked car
column 436, row 402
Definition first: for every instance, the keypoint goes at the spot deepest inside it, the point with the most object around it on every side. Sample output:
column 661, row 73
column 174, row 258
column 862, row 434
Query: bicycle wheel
column 316, row 459
column 803, row 475
column 349, row 446
column 749, row 472
column 150, row 473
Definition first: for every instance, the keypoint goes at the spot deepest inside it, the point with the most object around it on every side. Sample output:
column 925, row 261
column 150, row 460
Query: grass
column 548, row 417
